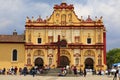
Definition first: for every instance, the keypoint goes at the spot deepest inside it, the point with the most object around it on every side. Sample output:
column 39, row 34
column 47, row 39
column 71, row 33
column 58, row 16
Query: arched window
column 14, row 55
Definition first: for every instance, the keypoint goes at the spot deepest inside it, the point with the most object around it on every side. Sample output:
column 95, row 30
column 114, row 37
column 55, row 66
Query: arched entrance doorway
column 64, row 61
column 89, row 63
column 39, row 62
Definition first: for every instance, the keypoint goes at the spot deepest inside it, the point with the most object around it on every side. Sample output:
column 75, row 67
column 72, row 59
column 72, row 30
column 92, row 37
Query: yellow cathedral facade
column 60, row 40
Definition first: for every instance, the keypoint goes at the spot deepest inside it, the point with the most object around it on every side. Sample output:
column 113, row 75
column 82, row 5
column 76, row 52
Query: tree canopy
column 113, row 56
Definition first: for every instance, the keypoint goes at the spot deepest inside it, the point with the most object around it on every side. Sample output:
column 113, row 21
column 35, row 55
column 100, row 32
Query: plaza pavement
column 30, row 77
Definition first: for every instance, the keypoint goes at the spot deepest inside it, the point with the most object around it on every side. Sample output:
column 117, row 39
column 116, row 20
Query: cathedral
column 59, row 40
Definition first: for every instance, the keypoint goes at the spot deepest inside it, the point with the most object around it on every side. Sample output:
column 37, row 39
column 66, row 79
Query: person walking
column 15, row 70
column 115, row 75
column 25, row 71
column 119, row 73
column 75, row 70
column 33, row 71
column 3, row 71
column 20, row 71
column 12, row 70
column 85, row 72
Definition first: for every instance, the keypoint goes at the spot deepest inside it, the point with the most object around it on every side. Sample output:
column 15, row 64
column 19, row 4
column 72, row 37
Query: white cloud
column 13, row 13
column 10, row 6
column 82, row 10
column 42, row 9
column 4, row 23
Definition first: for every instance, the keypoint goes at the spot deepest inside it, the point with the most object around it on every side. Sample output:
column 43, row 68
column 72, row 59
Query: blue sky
column 13, row 14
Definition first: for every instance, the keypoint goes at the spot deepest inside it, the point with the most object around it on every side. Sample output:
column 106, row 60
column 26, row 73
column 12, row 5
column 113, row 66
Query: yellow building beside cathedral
column 60, row 40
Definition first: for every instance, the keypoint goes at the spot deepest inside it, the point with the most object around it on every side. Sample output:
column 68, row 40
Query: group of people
column 65, row 70
column 12, row 70
column 68, row 70
column 22, row 71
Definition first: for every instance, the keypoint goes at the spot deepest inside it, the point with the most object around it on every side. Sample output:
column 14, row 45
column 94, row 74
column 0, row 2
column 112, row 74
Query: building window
column 88, row 40
column 14, row 55
column 39, row 40
column 50, row 39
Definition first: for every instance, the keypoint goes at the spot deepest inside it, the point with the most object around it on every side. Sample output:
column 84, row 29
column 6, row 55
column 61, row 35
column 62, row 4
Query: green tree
column 117, row 57
column 113, row 56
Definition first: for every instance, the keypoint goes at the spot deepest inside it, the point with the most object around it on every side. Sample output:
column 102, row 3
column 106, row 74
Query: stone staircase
column 54, row 72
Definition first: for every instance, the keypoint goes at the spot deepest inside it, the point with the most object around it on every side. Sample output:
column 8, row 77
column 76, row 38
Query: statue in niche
column 88, row 34
column 57, row 18
column 28, row 61
column 70, row 17
column 57, row 15
column 63, row 33
column 63, row 19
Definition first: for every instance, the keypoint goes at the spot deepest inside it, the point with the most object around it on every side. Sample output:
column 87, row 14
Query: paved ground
column 29, row 77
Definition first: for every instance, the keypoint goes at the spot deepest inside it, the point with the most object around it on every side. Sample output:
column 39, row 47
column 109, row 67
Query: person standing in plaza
column 33, row 71
column 119, row 73
column 85, row 72
column 12, row 70
column 20, row 71
column 75, row 70
column 115, row 75
column 3, row 71
column 15, row 70
column 25, row 71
